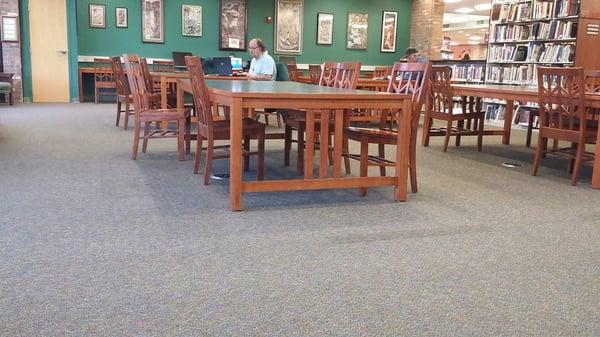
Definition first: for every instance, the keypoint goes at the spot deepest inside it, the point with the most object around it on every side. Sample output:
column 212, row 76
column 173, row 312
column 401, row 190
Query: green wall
column 116, row 41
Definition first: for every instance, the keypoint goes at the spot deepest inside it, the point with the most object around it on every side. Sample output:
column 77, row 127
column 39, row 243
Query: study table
column 523, row 94
column 240, row 95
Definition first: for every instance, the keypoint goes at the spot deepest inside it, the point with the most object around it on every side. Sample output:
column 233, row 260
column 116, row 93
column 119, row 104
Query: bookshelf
column 465, row 71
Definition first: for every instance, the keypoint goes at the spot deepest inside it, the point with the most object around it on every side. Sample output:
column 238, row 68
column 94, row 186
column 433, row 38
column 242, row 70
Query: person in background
column 262, row 66
column 412, row 56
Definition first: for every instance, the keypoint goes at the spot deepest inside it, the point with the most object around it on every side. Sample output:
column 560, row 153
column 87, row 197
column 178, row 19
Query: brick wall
column 426, row 27
column 11, row 51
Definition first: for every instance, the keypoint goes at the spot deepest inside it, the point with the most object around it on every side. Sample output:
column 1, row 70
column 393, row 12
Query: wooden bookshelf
column 465, row 71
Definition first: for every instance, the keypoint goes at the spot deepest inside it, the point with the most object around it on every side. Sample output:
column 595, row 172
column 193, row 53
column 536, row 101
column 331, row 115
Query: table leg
column 402, row 148
column 324, row 144
column 338, row 142
column 508, row 121
column 596, row 172
column 309, row 144
column 163, row 92
column 235, row 160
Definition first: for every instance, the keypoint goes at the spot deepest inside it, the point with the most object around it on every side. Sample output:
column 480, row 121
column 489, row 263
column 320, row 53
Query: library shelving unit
column 525, row 34
column 465, row 71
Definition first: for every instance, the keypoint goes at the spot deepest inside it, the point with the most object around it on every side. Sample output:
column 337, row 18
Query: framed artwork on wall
column 325, row 28
column 97, row 14
column 358, row 24
column 191, row 20
column 152, row 21
column 232, row 25
column 389, row 23
column 121, row 17
column 288, row 26
column 10, row 31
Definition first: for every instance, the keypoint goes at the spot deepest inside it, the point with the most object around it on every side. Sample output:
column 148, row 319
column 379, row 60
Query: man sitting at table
column 262, row 66
column 412, row 56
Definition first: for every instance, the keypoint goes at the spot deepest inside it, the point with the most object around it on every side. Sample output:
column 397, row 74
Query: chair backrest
column 137, row 82
column 292, row 70
column 202, row 102
column 119, row 76
column 592, row 81
column 328, row 74
column 163, row 66
column 347, row 75
column 440, row 89
column 411, row 79
column 281, row 72
column 381, row 71
column 562, row 98
column 314, row 70
column 102, row 70
column 150, row 85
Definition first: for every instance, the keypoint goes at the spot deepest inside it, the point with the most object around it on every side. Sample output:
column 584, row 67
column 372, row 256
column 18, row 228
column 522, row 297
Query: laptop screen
column 218, row 66
column 236, row 63
column 179, row 58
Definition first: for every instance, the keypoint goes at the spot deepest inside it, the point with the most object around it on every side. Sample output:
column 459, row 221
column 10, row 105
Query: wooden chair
column 381, row 72
column 145, row 113
column 163, row 66
column 440, row 105
column 292, row 72
column 333, row 74
column 211, row 130
column 406, row 78
column 104, row 82
column 314, row 70
column 123, row 94
column 563, row 117
column 6, row 86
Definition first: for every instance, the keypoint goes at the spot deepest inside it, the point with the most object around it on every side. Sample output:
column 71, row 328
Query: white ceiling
column 465, row 24
column 450, row 7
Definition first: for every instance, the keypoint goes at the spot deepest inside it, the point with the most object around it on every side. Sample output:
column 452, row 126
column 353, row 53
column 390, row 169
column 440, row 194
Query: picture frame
column 97, row 15
column 191, row 20
column 232, row 25
column 356, row 32
column 325, row 28
column 288, row 26
column 389, row 25
column 121, row 20
column 10, row 28
column 152, row 21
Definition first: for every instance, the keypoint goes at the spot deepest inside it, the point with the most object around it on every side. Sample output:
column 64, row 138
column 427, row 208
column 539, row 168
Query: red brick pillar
column 426, row 27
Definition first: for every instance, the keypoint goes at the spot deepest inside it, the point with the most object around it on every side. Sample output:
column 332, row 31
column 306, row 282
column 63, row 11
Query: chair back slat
column 202, row 102
column 147, row 76
column 411, row 79
column 102, row 70
column 347, row 75
column 592, row 81
column 440, row 90
column 119, row 76
column 328, row 74
column 137, row 83
column 314, row 71
column 292, row 72
column 381, row 71
column 562, row 98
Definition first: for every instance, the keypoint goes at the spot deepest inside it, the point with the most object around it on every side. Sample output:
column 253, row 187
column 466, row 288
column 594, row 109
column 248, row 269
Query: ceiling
column 466, row 28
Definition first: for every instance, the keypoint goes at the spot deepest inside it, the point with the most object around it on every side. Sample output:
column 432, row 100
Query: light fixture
column 475, row 37
column 483, row 6
column 464, row 10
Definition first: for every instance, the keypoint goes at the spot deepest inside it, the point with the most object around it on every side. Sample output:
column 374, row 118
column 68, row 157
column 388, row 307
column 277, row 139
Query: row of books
column 507, row 11
column 512, row 12
column 564, row 8
column 470, row 73
column 532, row 52
column 512, row 74
column 554, row 30
column 495, row 111
column 542, row 10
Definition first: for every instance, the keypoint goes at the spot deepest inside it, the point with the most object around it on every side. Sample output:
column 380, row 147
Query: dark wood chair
column 292, row 72
column 104, row 83
column 210, row 130
column 381, row 71
column 314, row 71
column 406, row 78
column 563, row 117
column 123, row 95
column 146, row 113
column 440, row 105
column 592, row 85
column 333, row 74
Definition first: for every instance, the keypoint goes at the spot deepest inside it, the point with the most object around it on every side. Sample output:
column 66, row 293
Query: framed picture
column 388, row 31
column 288, row 26
column 232, row 25
column 121, row 17
column 357, row 30
column 97, row 15
column 152, row 21
column 191, row 20
column 10, row 31
column 324, row 28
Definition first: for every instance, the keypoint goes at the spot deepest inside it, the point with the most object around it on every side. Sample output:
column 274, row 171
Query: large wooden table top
column 512, row 93
column 241, row 94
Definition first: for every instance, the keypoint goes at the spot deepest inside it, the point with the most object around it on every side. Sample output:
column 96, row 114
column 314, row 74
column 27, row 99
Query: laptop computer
column 218, row 66
column 236, row 64
column 179, row 59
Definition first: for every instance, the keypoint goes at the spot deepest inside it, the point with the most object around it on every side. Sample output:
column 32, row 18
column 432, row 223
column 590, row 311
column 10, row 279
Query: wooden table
column 82, row 71
column 523, row 94
column 241, row 95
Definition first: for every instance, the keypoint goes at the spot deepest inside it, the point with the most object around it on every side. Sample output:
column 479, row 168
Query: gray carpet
column 94, row 244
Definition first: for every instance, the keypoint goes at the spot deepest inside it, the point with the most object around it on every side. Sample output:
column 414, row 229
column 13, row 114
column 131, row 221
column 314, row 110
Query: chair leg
column 578, row 162
column 287, row 147
column 426, row 130
column 460, row 125
column 447, row 137
column 10, row 99
column 136, row 140
column 181, row 138
column 480, row 135
column 345, row 150
column 96, row 95
column 146, row 132
column 209, row 157
column 261, row 157
column 198, row 153
column 246, row 155
column 529, row 129
column 364, row 164
column 118, row 113
column 382, row 156
column 126, row 114
column 278, row 120
column 300, row 161
column 538, row 154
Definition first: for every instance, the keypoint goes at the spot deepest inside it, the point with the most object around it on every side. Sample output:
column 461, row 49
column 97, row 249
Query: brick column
column 11, row 51
column 426, row 27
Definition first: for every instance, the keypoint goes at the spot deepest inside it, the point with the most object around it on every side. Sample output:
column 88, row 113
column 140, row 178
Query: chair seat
column 163, row 114
column 250, row 128
column 372, row 135
column 297, row 119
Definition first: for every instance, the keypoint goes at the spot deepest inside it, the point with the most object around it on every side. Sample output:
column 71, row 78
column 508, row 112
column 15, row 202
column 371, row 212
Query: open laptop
column 179, row 59
column 236, row 64
column 218, row 66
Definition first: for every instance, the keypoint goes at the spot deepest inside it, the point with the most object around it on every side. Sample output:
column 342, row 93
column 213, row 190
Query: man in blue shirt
column 262, row 66
column 412, row 56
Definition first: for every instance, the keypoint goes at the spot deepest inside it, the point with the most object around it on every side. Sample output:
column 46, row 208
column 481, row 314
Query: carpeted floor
column 94, row 244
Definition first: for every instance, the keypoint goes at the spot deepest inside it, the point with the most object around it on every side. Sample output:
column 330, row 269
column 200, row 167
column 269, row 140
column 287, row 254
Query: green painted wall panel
column 25, row 51
column 115, row 41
